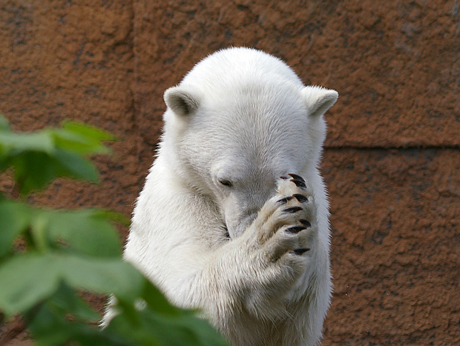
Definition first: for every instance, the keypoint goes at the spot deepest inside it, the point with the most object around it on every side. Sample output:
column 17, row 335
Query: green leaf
column 4, row 125
column 15, row 143
column 31, row 278
column 161, row 324
column 38, row 158
column 205, row 334
column 113, row 216
column 49, row 328
column 127, row 309
column 105, row 276
column 14, row 219
column 75, row 166
column 85, row 336
column 78, row 143
column 32, row 170
column 134, row 333
column 88, row 131
column 161, row 330
column 66, row 301
column 35, row 170
column 158, row 302
column 26, row 281
column 85, row 231
column 39, row 235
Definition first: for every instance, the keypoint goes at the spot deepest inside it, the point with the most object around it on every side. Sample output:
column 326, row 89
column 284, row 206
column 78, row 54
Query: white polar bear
column 215, row 226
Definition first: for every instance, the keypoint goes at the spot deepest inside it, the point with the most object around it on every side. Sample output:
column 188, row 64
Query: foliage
column 48, row 256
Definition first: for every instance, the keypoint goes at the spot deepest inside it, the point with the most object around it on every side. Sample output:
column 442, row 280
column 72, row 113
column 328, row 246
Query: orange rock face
column 391, row 160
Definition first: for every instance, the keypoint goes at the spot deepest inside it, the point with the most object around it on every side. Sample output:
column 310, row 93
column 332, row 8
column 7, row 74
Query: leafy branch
column 65, row 252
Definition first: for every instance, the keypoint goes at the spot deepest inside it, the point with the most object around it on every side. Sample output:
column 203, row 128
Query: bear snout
column 237, row 228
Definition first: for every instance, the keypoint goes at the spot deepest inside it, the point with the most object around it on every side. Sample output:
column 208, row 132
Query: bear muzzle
column 237, row 228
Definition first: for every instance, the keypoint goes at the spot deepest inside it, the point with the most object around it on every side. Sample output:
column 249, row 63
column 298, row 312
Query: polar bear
column 233, row 217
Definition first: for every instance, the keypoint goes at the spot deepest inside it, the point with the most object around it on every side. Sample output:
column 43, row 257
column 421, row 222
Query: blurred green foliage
column 65, row 252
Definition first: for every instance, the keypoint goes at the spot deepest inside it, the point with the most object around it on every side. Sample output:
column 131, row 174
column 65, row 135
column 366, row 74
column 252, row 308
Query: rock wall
column 392, row 158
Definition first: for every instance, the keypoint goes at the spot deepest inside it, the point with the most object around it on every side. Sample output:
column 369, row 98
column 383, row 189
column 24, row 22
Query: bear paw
column 286, row 225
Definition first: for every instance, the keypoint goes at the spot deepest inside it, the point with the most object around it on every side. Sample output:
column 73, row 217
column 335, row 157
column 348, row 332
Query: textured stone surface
column 396, row 65
column 64, row 60
column 395, row 247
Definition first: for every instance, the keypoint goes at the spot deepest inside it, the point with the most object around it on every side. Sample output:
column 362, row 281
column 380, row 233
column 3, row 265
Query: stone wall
column 392, row 158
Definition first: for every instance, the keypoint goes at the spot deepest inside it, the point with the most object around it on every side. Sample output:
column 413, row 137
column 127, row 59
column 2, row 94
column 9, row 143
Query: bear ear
column 183, row 101
column 318, row 99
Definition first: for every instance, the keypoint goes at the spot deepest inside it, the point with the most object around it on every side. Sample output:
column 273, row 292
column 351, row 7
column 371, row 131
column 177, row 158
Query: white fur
column 242, row 117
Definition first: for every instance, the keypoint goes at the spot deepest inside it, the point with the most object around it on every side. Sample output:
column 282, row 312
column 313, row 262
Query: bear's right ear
column 182, row 101
column 318, row 99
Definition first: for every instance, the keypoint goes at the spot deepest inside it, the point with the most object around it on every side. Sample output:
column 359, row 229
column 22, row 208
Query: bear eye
column 225, row 182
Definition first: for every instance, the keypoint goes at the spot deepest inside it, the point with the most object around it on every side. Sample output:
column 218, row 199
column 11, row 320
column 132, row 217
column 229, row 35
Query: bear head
column 237, row 122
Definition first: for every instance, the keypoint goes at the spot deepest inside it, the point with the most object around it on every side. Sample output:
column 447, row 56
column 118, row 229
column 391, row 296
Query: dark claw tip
column 304, row 222
column 226, row 232
column 283, row 177
column 296, row 177
column 300, row 198
column 292, row 210
column 295, row 229
column 283, row 200
column 301, row 251
column 299, row 183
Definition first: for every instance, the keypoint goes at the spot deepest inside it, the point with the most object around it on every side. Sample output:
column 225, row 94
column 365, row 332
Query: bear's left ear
column 182, row 100
column 318, row 99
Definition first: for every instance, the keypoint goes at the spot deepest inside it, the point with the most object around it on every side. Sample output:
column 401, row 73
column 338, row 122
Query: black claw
column 283, row 177
column 283, row 200
column 296, row 177
column 292, row 210
column 299, row 183
column 301, row 251
column 226, row 232
column 304, row 222
column 295, row 229
column 300, row 198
